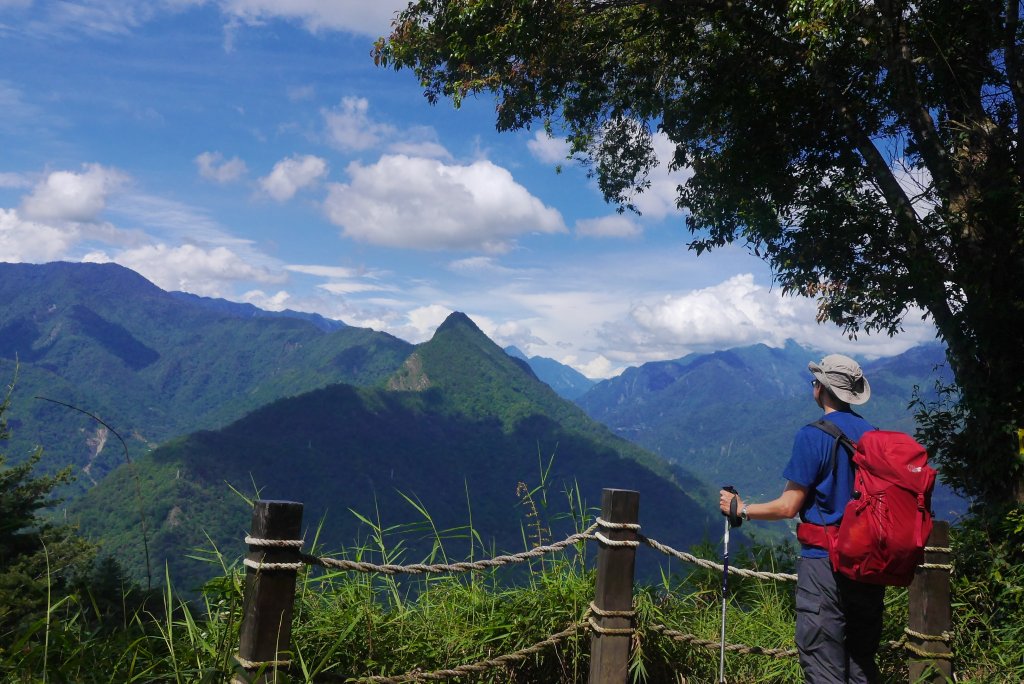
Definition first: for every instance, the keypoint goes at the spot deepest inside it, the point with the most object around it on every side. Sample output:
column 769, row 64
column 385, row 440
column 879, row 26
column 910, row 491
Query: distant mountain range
column 297, row 406
column 730, row 416
column 240, row 310
column 568, row 382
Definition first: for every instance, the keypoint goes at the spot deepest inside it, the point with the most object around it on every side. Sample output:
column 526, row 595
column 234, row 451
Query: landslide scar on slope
column 410, row 377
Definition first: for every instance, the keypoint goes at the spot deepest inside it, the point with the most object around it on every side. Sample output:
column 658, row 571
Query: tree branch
column 907, row 94
column 1011, row 58
column 936, row 275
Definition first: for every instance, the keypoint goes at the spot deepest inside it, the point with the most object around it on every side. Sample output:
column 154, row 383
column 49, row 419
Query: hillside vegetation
column 462, row 435
column 730, row 416
column 151, row 364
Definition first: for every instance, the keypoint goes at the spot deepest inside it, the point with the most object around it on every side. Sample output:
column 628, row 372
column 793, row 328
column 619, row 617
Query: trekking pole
column 732, row 519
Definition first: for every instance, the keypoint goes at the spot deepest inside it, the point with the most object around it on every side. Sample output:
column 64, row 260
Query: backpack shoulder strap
column 830, row 428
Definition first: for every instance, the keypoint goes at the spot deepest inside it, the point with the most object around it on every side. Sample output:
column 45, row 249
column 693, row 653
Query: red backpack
column 885, row 525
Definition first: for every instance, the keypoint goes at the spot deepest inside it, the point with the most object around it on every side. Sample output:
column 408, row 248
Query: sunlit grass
column 350, row 625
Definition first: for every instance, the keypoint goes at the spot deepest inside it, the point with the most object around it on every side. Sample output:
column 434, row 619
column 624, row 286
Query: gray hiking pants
column 838, row 625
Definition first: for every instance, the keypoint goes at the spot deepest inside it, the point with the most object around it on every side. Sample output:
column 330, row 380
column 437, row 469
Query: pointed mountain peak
column 458, row 321
column 462, row 358
column 516, row 353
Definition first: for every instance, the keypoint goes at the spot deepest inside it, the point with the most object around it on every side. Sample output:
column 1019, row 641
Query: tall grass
column 350, row 625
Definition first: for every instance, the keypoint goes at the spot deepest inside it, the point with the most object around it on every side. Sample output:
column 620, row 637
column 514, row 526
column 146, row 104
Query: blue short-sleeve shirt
column 810, row 466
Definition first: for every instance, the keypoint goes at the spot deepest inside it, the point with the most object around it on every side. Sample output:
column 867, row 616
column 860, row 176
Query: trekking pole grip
column 734, row 517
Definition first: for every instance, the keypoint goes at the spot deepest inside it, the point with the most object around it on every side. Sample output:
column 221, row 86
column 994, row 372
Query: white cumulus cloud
column 613, row 226
column 210, row 272
column 275, row 302
column 31, row 241
column 293, row 174
column 213, row 166
column 71, row 196
column 420, row 203
column 732, row 313
column 426, row 319
column 548, row 149
column 350, row 128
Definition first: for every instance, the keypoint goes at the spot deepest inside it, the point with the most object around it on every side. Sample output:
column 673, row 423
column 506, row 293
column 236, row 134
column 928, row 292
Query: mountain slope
column 462, row 426
column 730, row 416
column 152, row 364
column 567, row 382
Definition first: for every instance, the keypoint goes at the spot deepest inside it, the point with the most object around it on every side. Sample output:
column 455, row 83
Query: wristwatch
column 743, row 513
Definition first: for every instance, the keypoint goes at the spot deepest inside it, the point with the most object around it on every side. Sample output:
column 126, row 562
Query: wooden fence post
column 931, row 612
column 265, row 633
column 613, row 591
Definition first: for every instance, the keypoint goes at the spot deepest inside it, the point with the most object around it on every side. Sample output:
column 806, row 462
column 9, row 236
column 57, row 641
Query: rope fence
column 274, row 559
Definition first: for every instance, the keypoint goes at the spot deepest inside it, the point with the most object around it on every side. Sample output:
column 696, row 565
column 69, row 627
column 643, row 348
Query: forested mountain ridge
column 730, row 416
column 460, row 428
column 151, row 364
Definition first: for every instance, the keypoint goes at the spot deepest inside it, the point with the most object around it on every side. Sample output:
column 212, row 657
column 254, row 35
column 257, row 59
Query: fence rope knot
column 921, row 652
column 616, row 543
column 601, row 522
column 937, row 566
column 261, row 543
column 601, row 612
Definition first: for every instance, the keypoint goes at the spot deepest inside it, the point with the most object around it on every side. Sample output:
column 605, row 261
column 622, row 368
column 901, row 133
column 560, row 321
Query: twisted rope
column 676, row 635
column 463, row 566
column 601, row 612
column 711, row 565
column 927, row 655
column 936, row 566
column 260, row 565
column 274, row 543
column 480, row 666
column 255, row 665
column 945, row 636
column 601, row 522
column 619, row 543
column 916, row 650
column 610, row 631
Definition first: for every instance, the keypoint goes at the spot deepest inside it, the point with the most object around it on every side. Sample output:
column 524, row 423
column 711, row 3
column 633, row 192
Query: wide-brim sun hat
column 843, row 377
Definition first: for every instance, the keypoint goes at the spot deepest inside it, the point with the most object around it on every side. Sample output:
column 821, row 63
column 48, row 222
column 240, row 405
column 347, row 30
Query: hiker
column 838, row 620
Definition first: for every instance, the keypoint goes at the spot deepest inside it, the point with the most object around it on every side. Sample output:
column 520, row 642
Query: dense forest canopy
column 870, row 152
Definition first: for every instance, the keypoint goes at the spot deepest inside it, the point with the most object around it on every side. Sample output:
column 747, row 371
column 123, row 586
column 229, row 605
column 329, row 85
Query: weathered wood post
column 266, row 630
column 930, row 612
column 612, row 608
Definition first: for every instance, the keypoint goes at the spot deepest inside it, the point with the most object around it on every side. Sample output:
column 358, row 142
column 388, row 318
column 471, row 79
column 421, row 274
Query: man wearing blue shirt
column 838, row 620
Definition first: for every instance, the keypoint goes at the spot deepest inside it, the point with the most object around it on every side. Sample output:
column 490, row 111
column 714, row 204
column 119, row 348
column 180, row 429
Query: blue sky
column 251, row 150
